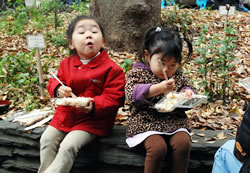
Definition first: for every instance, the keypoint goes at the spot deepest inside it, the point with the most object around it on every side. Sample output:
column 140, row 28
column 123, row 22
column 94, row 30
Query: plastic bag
column 69, row 101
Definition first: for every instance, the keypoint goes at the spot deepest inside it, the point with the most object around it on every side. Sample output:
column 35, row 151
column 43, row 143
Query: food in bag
column 70, row 101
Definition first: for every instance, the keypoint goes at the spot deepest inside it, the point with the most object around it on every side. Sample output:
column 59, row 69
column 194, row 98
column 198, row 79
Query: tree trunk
column 125, row 21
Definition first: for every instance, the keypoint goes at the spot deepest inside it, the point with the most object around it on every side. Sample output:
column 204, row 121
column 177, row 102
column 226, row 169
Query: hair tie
column 158, row 29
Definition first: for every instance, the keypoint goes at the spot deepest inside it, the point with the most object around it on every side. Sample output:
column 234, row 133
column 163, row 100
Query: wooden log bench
column 19, row 152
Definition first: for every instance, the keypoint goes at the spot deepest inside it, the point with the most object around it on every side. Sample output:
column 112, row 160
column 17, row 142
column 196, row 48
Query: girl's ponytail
column 190, row 49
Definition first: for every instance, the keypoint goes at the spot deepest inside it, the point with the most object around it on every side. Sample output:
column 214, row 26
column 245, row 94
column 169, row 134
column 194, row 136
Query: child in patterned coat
column 146, row 84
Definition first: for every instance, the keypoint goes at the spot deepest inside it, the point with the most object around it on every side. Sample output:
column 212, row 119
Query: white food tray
column 178, row 100
column 193, row 102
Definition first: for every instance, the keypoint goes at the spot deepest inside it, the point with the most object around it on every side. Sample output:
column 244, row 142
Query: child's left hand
column 88, row 108
column 188, row 92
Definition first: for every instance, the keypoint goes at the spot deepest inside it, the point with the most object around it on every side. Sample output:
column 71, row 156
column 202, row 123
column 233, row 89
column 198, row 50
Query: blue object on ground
column 243, row 8
column 201, row 3
column 165, row 3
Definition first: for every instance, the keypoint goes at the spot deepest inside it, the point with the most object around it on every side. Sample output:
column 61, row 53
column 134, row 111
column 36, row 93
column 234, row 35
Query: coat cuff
column 139, row 93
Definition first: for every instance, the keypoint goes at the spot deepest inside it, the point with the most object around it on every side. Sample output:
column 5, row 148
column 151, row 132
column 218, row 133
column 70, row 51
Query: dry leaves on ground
column 211, row 116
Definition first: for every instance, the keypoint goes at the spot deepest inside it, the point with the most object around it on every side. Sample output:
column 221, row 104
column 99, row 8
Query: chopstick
column 72, row 94
column 164, row 72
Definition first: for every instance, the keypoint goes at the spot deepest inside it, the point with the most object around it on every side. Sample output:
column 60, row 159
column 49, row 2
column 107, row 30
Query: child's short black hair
column 163, row 40
column 72, row 26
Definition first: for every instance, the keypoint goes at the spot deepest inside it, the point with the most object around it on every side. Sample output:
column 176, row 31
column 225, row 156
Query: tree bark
column 125, row 21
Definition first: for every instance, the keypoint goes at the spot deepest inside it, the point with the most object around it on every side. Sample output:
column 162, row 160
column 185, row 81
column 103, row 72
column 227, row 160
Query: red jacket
column 101, row 79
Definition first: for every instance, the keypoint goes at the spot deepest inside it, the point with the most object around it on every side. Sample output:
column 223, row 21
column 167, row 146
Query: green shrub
column 59, row 39
column 19, row 77
column 127, row 65
column 81, row 7
column 215, row 60
column 180, row 21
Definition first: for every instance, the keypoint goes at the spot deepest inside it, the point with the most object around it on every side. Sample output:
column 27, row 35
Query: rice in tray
column 179, row 100
column 170, row 101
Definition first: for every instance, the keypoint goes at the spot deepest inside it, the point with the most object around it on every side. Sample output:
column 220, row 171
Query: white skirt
column 137, row 139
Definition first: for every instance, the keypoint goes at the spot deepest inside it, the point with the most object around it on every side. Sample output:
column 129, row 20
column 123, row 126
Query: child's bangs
column 167, row 49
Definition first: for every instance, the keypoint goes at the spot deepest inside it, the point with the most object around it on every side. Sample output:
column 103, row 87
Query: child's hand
column 163, row 87
column 88, row 108
column 188, row 92
column 168, row 85
column 64, row 91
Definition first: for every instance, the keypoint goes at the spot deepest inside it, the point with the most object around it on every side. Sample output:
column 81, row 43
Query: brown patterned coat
column 143, row 117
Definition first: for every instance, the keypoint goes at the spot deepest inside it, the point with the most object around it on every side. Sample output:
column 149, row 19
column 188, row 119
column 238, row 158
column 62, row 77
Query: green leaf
column 127, row 65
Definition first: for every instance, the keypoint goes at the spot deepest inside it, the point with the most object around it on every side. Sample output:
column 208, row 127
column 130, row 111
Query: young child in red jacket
column 88, row 72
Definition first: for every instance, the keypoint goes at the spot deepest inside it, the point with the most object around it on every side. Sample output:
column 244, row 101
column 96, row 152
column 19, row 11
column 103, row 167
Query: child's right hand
column 163, row 87
column 167, row 85
column 64, row 91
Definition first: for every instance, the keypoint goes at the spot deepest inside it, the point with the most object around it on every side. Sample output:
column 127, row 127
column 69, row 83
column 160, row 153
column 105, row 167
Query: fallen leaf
column 210, row 142
column 195, row 141
column 200, row 134
column 221, row 135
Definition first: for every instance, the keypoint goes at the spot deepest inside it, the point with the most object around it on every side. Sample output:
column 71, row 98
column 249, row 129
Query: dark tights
column 157, row 148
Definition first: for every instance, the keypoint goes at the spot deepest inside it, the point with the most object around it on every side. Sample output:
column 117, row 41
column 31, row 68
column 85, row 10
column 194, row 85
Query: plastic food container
column 175, row 100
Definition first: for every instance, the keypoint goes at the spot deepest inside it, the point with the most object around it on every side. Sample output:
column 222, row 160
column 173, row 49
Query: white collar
column 88, row 60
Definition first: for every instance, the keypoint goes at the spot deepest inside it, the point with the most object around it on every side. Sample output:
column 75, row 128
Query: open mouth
column 90, row 44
